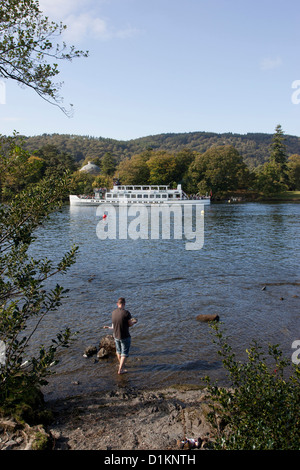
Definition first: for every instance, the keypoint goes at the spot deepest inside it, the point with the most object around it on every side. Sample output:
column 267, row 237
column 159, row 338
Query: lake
column 247, row 247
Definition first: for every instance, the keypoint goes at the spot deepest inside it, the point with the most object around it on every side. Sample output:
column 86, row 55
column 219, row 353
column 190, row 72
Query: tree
column 294, row 172
column 101, row 181
column 162, row 167
column 108, row 164
column 219, row 169
column 278, row 149
column 133, row 170
column 272, row 177
column 184, row 159
column 24, row 297
column 54, row 160
column 82, row 183
column 269, row 179
column 278, row 153
column 27, row 50
column 25, row 47
column 17, row 168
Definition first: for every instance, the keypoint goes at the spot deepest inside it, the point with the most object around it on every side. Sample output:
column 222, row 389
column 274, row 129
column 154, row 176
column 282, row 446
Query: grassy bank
column 286, row 196
column 253, row 196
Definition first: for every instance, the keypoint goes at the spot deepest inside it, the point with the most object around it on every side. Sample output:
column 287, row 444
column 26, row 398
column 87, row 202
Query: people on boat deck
column 121, row 322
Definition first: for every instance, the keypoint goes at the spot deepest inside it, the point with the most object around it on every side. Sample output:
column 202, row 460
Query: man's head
column 121, row 302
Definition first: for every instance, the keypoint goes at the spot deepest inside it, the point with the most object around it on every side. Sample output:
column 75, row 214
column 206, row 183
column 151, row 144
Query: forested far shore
column 253, row 147
column 252, row 165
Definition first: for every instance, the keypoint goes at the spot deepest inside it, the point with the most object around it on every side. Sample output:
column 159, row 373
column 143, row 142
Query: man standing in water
column 121, row 321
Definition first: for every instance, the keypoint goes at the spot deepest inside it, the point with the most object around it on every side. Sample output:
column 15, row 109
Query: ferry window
column 139, row 196
column 145, row 188
column 152, row 195
column 127, row 195
column 133, row 195
column 108, row 195
column 164, row 196
column 145, row 195
column 158, row 195
column 115, row 195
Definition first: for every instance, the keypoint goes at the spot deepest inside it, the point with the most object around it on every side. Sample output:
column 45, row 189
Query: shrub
column 260, row 410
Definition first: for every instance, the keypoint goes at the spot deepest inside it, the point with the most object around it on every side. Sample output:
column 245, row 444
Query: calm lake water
column 246, row 247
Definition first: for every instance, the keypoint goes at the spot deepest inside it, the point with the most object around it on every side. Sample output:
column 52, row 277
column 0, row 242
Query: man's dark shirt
column 120, row 318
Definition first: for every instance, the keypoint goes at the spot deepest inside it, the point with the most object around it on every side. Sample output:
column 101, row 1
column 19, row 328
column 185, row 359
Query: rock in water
column 107, row 347
column 213, row 317
column 90, row 351
column 102, row 353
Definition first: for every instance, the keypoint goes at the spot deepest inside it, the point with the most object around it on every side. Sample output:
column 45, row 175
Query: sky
column 168, row 66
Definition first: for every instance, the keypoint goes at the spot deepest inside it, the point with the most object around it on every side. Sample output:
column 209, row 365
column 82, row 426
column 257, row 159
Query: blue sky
column 160, row 66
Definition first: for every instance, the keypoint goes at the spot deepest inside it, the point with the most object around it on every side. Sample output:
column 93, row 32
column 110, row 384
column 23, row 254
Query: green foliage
column 16, row 169
column 272, row 177
column 27, row 198
column 134, row 170
column 278, row 152
column 41, row 441
column 102, row 181
column 254, row 148
column 260, row 410
column 269, row 179
column 108, row 164
column 27, row 50
column 294, row 172
column 24, row 401
column 53, row 160
column 162, row 168
column 25, row 299
column 219, row 169
column 82, row 183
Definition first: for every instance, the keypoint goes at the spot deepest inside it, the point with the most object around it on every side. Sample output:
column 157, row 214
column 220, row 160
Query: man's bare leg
column 122, row 363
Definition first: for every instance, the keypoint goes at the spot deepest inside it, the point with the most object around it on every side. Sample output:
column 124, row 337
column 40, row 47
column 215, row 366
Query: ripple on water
column 246, row 247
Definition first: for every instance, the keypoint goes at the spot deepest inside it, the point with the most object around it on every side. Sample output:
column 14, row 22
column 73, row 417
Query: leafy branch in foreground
column 25, row 299
column 27, row 51
column 260, row 410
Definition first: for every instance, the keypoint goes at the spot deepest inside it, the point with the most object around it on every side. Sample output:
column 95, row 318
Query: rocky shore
column 119, row 420
column 122, row 419
column 131, row 420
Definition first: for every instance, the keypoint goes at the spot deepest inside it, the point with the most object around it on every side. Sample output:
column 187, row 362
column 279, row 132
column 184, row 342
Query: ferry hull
column 79, row 201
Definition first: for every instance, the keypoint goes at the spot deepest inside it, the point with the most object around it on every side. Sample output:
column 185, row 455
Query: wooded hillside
column 253, row 147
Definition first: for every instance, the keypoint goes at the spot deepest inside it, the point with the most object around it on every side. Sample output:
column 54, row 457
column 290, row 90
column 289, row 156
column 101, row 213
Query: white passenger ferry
column 144, row 194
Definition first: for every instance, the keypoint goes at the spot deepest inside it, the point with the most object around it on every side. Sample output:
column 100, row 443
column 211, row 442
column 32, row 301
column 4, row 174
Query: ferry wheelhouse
column 143, row 194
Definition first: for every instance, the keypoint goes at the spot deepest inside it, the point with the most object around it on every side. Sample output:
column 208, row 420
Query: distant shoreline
column 251, row 196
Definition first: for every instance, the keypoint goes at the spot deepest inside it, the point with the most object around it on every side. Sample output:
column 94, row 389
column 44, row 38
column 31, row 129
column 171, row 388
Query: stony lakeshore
column 132, row 420
column 118, row 420
column 122, row 419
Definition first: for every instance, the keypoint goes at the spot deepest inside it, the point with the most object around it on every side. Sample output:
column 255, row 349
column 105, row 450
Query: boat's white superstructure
column 143, row 194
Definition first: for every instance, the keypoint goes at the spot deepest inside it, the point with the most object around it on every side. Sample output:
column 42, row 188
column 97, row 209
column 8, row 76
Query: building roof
column 91, row 168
